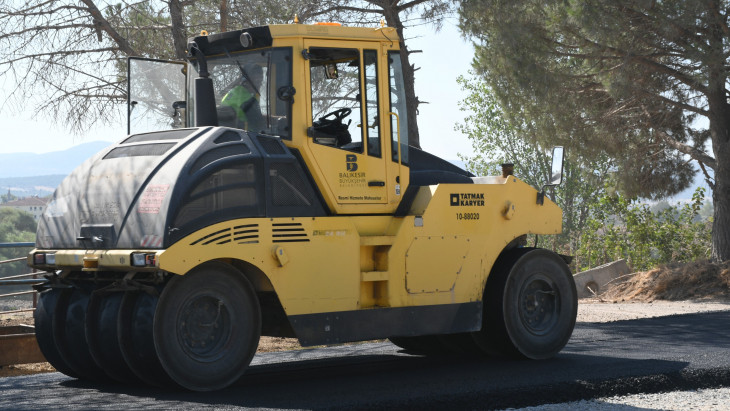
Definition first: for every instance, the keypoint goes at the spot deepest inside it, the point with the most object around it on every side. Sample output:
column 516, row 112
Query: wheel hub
column 539, row 305
column 204, row 328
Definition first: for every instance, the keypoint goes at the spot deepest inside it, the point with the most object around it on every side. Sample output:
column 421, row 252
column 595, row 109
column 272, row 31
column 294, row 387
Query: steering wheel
column 339, row 115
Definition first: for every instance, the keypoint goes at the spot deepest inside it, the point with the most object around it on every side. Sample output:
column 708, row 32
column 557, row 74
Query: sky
column 445, row 56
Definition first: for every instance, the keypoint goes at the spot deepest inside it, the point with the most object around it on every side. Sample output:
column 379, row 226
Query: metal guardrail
column 16, row 245
column 21, row 279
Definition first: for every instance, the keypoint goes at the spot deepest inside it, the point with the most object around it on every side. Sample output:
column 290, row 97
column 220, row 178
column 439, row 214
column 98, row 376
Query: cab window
column 336, row 100
column 399, row 121
column 370, row 58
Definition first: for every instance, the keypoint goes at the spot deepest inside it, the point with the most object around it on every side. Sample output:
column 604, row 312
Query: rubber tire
column 43, row 319
column 510, row 304
column 69, row 324
column 136, row 341
column 214, row 302
column 421, row 344
column 102, row 336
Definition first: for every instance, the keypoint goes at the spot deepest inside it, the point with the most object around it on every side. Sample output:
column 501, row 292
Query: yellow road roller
column 267, row 187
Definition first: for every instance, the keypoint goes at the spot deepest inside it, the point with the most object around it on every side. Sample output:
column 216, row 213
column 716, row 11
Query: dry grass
column 674, row 282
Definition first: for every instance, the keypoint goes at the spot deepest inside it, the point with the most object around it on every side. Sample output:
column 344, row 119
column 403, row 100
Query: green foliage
column 620, row 228
column 495, row 140
column 643, row 82
column 600, row 77
column 13, row 223
column 600, row 225
column 15, row 227
column 4, row 198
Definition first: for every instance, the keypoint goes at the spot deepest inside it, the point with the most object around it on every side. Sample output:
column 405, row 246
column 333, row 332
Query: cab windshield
column 253, row 90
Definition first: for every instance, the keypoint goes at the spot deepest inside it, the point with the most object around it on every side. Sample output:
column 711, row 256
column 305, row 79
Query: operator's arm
column 252, row 110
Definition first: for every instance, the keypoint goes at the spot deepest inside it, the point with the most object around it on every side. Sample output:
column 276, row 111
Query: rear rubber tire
column 43, row 319
column 530, row 305
column 207, row 327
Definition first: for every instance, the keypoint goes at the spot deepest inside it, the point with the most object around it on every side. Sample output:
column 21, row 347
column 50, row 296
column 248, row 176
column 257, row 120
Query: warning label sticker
column 152, row 198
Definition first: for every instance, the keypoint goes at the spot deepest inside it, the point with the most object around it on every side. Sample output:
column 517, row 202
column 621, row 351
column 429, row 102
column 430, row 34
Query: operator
column 244, row 98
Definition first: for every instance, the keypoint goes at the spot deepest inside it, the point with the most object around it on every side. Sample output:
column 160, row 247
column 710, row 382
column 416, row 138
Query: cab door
column 346, row 124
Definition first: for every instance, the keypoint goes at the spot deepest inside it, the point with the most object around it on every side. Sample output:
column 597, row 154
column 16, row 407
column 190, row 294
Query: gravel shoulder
column 595, row 311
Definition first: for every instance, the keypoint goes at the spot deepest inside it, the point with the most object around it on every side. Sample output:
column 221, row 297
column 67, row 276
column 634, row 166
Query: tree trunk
column 719, row 116
column 409, row 78
column 224, row 15
column 721, row 201
column 179, row 35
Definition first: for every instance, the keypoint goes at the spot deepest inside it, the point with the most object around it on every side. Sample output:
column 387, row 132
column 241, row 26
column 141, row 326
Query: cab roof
column 264, row 36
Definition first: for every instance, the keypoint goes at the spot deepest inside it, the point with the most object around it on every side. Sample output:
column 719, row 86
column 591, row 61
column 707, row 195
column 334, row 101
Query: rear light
column 143, row 259
column 44, row 259
column 39, row 258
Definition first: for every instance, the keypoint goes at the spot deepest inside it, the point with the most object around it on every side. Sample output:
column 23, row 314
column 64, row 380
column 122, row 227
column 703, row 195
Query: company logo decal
column 466, row 199
column 351, row 161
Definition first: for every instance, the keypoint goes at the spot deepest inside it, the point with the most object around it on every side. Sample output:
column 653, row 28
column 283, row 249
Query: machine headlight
column 44, row 259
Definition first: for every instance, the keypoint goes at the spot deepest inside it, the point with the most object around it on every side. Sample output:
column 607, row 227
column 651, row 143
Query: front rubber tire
column 530, row 305
column 43, row 318
column 69, row 322
column 207, row 327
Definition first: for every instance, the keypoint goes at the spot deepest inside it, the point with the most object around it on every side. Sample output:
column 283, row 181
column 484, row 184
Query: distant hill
column 53, row 163
column 30, row 174
column 40, row 186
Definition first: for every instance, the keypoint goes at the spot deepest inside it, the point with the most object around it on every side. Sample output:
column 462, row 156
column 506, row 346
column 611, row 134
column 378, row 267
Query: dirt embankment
column 699, row 280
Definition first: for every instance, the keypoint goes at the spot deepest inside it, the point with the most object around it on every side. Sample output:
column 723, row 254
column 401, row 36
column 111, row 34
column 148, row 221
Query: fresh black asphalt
column 626, row 357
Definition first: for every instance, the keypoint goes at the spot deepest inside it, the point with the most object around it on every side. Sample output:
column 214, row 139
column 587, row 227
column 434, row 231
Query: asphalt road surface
column 638, row 356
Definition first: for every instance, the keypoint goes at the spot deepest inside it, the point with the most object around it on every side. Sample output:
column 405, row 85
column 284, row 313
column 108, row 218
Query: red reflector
column 149, row 260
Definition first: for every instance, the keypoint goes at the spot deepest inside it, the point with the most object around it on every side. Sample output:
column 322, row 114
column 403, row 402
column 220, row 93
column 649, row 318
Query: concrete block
column 597, row 278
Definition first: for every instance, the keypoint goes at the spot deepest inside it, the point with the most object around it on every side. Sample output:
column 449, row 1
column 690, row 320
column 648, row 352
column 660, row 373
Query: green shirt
column 237, row 98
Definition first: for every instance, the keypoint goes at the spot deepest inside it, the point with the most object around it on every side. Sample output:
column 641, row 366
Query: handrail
column 22, row 282
column 12, row 277
column 18, row 293
column 14, row 260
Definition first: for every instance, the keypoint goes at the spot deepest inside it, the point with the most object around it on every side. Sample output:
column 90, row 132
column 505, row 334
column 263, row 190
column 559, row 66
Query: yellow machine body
column 365, row 268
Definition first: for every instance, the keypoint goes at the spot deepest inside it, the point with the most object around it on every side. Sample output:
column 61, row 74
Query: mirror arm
column 541, row 196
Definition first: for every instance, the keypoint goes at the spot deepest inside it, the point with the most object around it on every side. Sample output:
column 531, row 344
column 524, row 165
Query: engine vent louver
column 246, row 234
column 159, row 136
column 289, row 233
column 241, row 234
column 149, row 150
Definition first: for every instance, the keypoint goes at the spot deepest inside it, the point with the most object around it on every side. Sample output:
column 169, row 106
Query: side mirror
column 556, row 173
column 330, row 71
column 556, row 170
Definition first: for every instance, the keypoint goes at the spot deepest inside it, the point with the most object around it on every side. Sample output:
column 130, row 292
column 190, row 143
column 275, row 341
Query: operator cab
column 334, row 95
